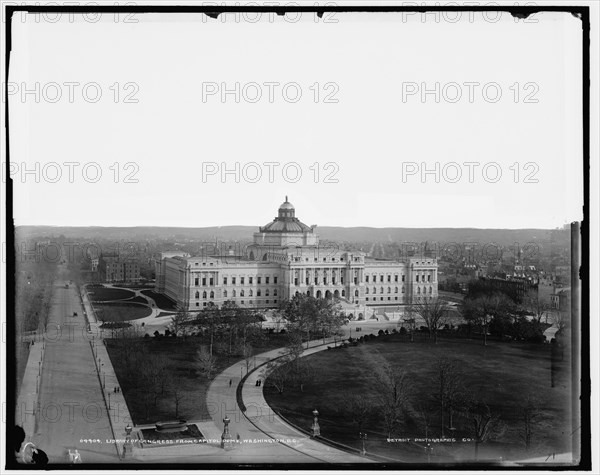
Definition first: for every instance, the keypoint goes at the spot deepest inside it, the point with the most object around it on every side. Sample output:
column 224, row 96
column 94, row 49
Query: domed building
column 285, row 259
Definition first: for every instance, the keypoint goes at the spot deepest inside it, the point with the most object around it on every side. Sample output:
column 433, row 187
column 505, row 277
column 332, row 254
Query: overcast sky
column 360, row 121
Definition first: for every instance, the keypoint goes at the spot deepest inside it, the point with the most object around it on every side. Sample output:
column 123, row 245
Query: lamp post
column 363, row 437
column 108, row 400
column 315, row 425
column 225, row 437
column 127, row 444
column 429, row 451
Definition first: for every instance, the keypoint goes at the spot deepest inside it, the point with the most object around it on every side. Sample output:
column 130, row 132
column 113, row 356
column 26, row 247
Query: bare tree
column 426, row 418
column 178, row 396
column 482, row 422
column 277, row 373
column 434, row 312
column 483, row 309
column 536, row 305
column 179, row 325
column 450, row 389
column 393, row 391
column 205, row 363
column 361, row 409
column 530, row 413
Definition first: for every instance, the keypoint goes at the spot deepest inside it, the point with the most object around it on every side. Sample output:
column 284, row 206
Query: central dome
column 286, row 221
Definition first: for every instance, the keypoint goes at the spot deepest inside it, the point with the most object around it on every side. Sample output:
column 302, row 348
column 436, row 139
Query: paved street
column 72, row 407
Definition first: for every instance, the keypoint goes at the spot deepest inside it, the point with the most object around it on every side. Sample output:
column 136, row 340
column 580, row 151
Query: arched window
column 197, row 295
column 395, row 290
column 204, row 294
column 418, row 290
column 343, row 293
column 367, row 291
column 267, row 293
column 381, row 290
column 402, row 289
column 224, row 293
column 356, row 293
column 251, row 293
column 212, row 294
column 374, row 290
column 233, row 293
column 275, row 293
column 242, row 293
column 389, row 290
column 430, row 290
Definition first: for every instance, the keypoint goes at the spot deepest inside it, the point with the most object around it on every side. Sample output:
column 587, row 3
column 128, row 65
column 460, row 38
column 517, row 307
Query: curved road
column 260, row 428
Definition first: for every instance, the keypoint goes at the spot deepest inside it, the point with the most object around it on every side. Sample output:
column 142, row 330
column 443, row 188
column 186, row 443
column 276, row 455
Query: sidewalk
column 116, row 407
column 264, row 418
column 27, row 410
column 260, row 428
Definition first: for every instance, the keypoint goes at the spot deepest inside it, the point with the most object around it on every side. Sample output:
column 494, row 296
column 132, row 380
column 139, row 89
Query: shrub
column 380, row 332
column 146, row 336
column 394, row 330
column 403, row 331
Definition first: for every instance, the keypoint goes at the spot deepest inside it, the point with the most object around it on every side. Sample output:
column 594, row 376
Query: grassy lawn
column 175, row 357
column 105, row 293
column 138, row 299
column 500, row 374
column 162, row 301
column 119, row 312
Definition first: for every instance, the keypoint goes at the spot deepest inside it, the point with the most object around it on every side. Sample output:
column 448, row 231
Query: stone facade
column 284, row 259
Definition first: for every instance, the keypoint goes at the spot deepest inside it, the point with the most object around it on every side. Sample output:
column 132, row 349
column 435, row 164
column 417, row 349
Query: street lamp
column 315, row 425
column 429, row 451
column 225, row 437
column 363, row 437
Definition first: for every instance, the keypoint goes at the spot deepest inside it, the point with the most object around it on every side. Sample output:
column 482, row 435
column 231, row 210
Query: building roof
column 286, row 221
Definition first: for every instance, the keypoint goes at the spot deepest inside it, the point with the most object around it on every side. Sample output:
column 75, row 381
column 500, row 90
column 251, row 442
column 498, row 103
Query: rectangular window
column 258, row 293
column 307, row 282
column 402, row 278
column 342, row 280
column 396, row 278
column 333, row 280
column 381, row 278
column 266, row 280
column 224, row 280
column 417, row 278
column 275, row 293
column 389, row 278
column 241, row 280
column 296, row 281
column 258, row 280
column 233, row 281
column 203, row 280
column 428, row 278
column 196, row 281
column 316, row 281
column 275, row 279
column 250, row 280
column 367, row 279
column 211, row 281
column 355, row 280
